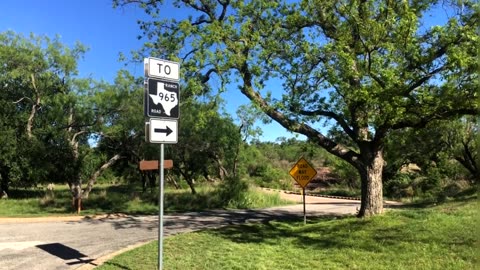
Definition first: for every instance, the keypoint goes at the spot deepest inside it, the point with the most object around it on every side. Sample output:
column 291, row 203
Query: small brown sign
column 152, row 165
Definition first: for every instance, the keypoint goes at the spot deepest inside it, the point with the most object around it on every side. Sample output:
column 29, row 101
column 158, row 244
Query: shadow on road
column 193, row 221
column 66, row 253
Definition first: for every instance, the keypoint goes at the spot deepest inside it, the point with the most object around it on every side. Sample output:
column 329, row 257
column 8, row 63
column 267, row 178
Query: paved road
column 78, row 242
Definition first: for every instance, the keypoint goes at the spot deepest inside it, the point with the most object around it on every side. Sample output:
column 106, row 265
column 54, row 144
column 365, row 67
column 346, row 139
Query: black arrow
column 168, row 131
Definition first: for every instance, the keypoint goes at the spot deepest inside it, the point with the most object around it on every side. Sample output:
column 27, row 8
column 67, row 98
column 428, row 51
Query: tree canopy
column 365, row 66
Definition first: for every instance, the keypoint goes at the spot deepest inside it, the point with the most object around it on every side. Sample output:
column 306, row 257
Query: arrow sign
column 163, row 130
column 168, row 131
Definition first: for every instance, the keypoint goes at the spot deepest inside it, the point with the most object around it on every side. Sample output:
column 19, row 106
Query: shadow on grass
column 465, row 196
column 376, row 234
column 117, row 265
column 311, row 236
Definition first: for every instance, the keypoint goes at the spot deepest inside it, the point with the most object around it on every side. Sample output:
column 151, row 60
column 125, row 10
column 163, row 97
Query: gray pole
column 304, row 212
column 160, row 214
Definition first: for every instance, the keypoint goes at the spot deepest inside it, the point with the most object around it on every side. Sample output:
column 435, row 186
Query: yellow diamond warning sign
column 303, row 172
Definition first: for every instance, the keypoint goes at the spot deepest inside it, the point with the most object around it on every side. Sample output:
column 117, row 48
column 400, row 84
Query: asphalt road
column 71, row 243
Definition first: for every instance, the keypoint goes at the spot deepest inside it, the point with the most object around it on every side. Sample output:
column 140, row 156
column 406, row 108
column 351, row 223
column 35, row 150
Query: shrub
column 232, row 192
column 400, row 185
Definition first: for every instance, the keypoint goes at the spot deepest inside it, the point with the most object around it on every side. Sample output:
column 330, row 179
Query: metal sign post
column 304, row 209
column 160, row 214
column 161, row 103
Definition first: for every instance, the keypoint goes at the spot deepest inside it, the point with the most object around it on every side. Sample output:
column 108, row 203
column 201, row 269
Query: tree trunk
column 172, row 180
column 3, row 190
column 190, row 181
column 152, row 179
column 3, row 185
column 190, row 184
column 371, row 183
column 222, row 172
column 468, row 160
column 76, row 189
column 143, row 174
column 97, row 173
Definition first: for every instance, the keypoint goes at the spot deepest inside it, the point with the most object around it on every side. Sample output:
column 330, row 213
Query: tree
column 36, row 77
column 48, row 114
column 454, row 139
column 120, row 135
column 463, row 145
column 208, row 143
column 368, row 66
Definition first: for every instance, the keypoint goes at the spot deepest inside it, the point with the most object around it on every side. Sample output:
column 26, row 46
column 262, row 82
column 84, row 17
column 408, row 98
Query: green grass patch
column 129, row 199
column 339, row 191
column 440, row 237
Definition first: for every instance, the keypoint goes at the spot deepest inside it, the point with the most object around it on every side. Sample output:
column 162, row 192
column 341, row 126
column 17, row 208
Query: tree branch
column 35, row 105
column 224, row 9
column 98, row 172
column 422, row 80
column 74, row 137
column 206, row 76
column 341, row 121
column 421, row 122
column 20, row 100
column 337, row 149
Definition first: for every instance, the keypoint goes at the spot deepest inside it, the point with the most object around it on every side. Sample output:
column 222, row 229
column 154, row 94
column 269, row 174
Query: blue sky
column 107, row 32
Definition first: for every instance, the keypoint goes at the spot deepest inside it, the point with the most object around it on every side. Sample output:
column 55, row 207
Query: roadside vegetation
column 105, row 199
column 428, row 237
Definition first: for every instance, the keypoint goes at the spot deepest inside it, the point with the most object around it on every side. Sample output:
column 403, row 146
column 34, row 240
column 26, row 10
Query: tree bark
column 3, row 190
column 468, row 160
column 189, row 179
column 98, row 172
column 152, row 179
column 191, row 185
column 3, row 185
column 76, row 189
column 35, row 106
column 172, row 180
column 143, row 174
column 371, row 182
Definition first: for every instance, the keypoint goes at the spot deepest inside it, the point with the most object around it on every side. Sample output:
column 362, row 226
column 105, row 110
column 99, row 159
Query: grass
column 439, row 237
column 129, row 200
column 339, row 191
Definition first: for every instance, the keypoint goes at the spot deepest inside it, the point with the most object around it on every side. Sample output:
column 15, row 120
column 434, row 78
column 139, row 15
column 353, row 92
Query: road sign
column 152, row 165
column 162, row 69
column 303, row 172
column 162, row 99
column 163, row 131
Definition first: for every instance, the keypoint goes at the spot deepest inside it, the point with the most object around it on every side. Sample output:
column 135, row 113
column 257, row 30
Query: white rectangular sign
column 163, row 131
column 163, row 69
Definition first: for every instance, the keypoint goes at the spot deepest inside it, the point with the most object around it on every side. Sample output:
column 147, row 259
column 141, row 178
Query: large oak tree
column 366, row 66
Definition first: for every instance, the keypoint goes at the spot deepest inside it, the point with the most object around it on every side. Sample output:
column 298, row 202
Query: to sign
column 162, row 69
column 303, row 172
column 163, row 131
column 162, row 99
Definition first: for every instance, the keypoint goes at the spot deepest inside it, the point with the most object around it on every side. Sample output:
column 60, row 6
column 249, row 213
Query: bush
column 266, row 175
column 232, row 193
column 400, row 185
